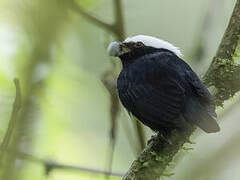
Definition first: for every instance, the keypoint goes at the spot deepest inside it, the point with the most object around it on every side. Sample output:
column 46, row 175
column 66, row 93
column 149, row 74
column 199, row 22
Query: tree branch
column 119, row 20
column 224, row 74
column 199, row 50
column 51, row 165
column 77, row 8
column 13, row 120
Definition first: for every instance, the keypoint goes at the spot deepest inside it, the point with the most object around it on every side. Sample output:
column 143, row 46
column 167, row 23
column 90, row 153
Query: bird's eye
column 139, row 44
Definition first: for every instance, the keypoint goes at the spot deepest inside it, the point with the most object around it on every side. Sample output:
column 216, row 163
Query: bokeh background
column 60, row 58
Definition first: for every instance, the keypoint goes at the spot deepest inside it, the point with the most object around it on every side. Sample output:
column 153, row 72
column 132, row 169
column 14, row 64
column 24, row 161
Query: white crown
column 154, row 42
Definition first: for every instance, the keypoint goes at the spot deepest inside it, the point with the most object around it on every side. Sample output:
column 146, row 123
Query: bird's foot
column 161, row 137
column 165, row 139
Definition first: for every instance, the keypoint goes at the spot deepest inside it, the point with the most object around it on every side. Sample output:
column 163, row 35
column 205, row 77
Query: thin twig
column 119, row 25
column 202, row 39
column 51, row 165
column 13, row 120
column 90, row 17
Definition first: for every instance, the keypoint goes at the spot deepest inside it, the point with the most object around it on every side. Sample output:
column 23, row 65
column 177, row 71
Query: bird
column 159, row 88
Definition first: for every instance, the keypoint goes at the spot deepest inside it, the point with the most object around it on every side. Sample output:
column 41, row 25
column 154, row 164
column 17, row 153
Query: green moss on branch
column 157, row 155
column 224, row 75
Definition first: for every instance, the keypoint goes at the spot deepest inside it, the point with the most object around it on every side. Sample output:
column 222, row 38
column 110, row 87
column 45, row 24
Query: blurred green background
column 59, row 58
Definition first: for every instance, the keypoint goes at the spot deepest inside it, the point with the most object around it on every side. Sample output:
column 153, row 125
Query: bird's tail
column 195, row 113
column 207, row 123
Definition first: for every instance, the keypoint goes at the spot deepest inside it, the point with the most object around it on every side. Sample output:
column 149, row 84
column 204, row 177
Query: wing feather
column 155, row 104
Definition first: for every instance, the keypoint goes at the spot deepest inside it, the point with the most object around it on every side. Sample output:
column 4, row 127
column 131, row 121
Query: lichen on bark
column 225, row 77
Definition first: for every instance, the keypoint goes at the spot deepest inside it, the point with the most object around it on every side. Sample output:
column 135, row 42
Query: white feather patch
column 154, row 42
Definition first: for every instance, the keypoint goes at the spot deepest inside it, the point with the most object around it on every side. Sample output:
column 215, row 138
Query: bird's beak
column 117, row 49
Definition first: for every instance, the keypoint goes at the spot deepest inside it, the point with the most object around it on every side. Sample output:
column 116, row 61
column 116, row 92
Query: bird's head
column 139, row 45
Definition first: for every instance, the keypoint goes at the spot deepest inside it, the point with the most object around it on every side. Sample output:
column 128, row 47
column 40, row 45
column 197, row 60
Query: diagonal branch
column 224, row 75
column 90, row 17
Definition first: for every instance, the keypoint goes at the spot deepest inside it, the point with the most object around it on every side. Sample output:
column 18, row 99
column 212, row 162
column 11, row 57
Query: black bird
column 159, row 88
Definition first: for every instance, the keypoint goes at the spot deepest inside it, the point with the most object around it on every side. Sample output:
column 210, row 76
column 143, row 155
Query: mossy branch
column 224, row 75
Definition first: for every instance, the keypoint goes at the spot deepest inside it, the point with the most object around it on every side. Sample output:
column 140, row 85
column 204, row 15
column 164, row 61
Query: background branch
column 12, row 122
column 90, row 17
column 119, row 21
column 224, row 74
column 52, row 165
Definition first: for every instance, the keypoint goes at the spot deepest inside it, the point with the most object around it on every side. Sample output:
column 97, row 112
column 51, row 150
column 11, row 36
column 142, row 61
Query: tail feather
column 208, row 123
column 196, row 114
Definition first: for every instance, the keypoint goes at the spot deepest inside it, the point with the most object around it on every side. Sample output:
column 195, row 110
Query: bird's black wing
column 200, row 106
column 202, row 93
column 157, row 100
column 197, row 87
